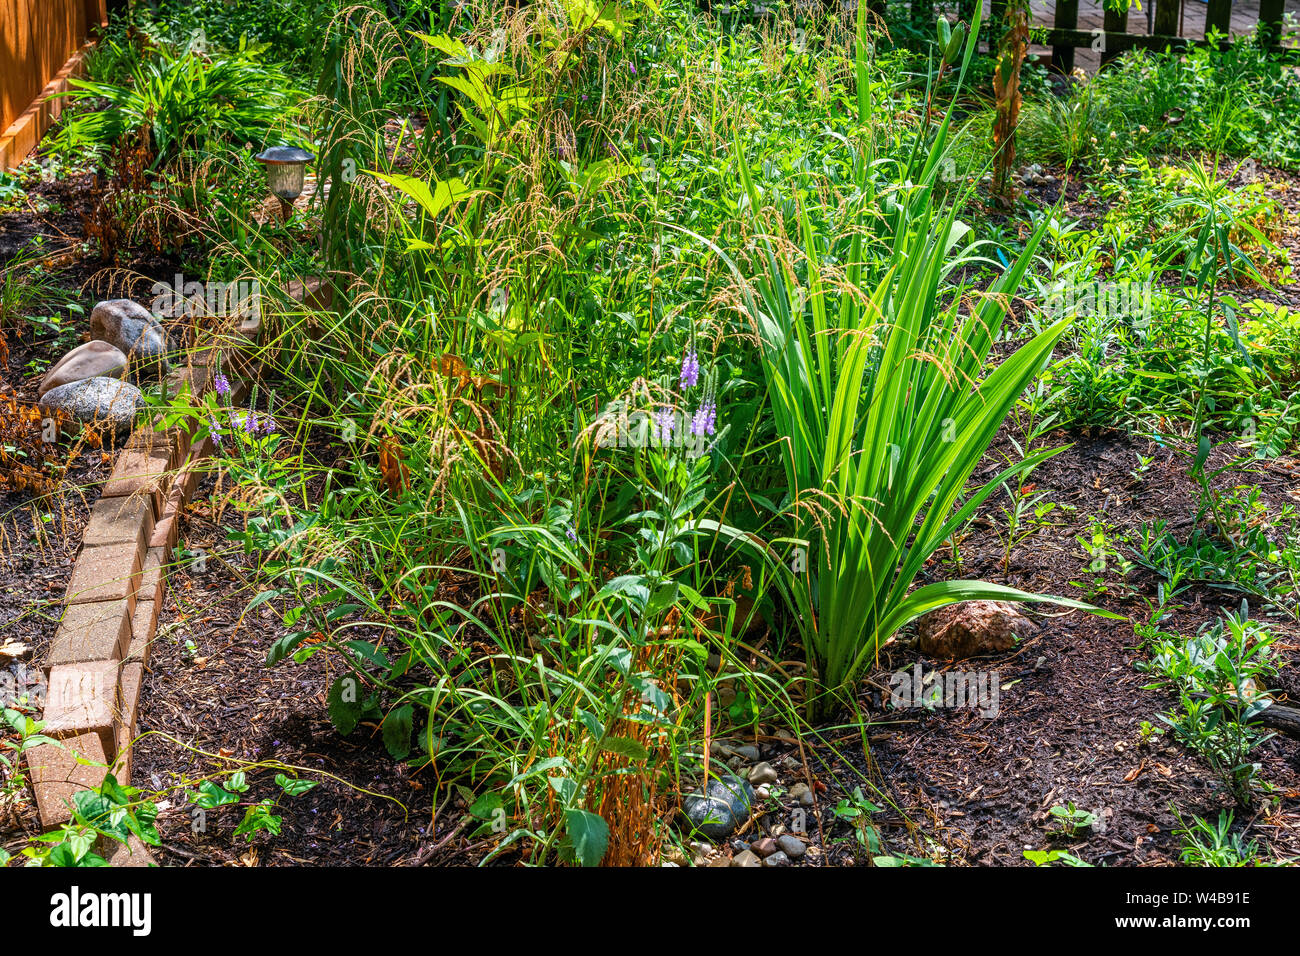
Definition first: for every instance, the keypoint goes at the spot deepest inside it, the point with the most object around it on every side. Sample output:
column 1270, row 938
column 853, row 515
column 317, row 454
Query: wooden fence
column 1108, row 31
column 40, row 44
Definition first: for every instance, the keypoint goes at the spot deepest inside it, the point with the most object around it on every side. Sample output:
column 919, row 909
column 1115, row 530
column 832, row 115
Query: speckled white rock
column 97, row 399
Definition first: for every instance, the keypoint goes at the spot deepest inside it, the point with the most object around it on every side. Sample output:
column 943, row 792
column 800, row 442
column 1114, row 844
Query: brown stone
column 82, row 699
column 143, row 474
column 199, row 377
column 153, row 574
column 133, row 852
column 130, row 327
column 182, row 487
column 971, row 628
column 56, row 774
column 109, row 572
column 239, row 389
column 313, row 292
column 118, row 521
column 120, row 767
column 250, row 326
column 99, row 631
column 85, row 361
column 179, row 437
column 205, row 352
column 151, row 439
column 202, row 450
column 174, row 383
column 187, row 479
column 144, row 624
column 165, row 532
column 131, row 680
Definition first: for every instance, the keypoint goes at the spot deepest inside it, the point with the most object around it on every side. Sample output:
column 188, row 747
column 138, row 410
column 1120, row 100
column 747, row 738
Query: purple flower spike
column 663, row 422
column 704, row 419
column 221, row 384
column 268, row 425
column 690, row 370
column 631, row 68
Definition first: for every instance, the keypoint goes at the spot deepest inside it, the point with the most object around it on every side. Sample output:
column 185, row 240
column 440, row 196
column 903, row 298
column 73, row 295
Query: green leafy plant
column 258, row 815
column 187, row 100
column 881, row 402
column 1147, row 732
column 1073, row 819
column 1048, row 857
column 857, row 811
column 1218, row 676
column 1215, row 844
column 29, row 734
column 113, row 813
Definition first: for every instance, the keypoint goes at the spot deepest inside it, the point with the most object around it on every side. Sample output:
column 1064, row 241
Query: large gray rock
column 86, row 361
column 97, row 399
column 791, row 846
column 723, row 806
column 132, row 328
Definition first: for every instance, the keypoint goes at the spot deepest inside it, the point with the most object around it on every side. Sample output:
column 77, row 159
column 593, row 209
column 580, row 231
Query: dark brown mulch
column 40, row 533
column 50, row 226
column 1068, row 728
column 208, row 696
column 1073, row 701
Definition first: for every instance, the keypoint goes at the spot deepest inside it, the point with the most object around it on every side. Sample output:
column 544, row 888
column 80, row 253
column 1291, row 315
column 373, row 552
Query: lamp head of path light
column 285, row 168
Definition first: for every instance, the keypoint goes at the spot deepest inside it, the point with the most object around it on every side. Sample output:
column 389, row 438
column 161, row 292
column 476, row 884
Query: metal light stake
column 286, row 167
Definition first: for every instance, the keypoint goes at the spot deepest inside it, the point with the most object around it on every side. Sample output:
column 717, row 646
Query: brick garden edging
column 96, row 662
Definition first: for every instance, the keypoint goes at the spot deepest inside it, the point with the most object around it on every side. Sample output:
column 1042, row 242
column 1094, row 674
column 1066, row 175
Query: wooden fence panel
column 1167, row 12
column 1114, row 22
column 1218, row 15
column 1270, row 19
column 37, row 39
column 1067, row 18
column 1064, row 36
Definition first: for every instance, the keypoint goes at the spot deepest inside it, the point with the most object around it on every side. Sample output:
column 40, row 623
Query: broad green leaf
column 397, row 731
column 626, row 747
column 343, row 704
column 588, row 836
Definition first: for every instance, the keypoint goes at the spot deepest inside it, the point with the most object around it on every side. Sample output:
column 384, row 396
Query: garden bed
column 557, row 633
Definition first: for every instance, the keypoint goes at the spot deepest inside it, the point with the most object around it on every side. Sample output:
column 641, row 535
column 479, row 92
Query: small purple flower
column 611, row 149
column 704, row 419
column 631, row 68
column 572, row 535
column 268, row 425
column 249, row 423
column 214, row 430
column 663, row 422
column 690, row 370
column 221, row 384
